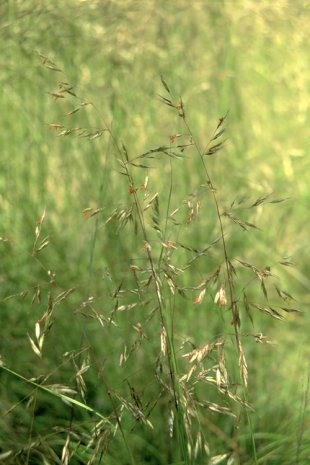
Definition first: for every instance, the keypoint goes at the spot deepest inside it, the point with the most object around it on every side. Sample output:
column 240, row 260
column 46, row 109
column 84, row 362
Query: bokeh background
column 247, row 58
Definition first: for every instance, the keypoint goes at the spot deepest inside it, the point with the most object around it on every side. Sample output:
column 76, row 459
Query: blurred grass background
column 246, row 57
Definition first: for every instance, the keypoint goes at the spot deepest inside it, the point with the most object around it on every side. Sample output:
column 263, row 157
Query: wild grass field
column 154, row 234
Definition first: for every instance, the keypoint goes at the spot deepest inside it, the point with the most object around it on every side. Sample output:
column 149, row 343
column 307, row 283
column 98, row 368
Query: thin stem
column 229, row 279
column 171, row 356
column 233, row 305
column 172, row 360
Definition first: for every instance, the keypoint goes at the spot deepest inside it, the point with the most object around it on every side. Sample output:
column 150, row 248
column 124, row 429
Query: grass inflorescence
column 152, row 361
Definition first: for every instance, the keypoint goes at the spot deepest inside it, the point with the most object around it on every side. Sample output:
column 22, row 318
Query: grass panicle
column 160, row 273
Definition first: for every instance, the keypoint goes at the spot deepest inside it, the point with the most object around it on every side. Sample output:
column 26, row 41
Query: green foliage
column 144, row 253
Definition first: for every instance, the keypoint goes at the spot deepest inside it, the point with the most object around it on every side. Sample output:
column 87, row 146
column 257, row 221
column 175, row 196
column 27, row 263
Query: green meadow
column 154, row 232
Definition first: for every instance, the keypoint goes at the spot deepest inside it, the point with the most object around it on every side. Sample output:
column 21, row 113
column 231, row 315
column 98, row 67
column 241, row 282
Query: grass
column 121, row 304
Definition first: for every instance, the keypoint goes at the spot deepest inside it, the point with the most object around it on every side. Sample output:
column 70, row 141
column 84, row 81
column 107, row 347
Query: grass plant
column 146, row 277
